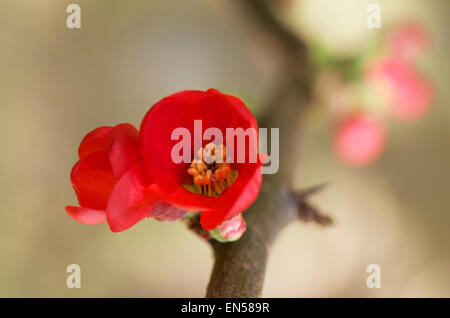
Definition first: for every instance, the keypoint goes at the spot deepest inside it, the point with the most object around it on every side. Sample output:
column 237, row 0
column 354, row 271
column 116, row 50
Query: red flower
column 108, row 179
column 123, row 177
column 222, row 190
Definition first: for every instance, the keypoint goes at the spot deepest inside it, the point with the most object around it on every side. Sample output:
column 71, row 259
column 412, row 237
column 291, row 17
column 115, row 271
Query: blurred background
column 57, row 84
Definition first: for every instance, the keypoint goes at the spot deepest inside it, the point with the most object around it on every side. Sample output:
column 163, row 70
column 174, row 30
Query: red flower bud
column 230, row 230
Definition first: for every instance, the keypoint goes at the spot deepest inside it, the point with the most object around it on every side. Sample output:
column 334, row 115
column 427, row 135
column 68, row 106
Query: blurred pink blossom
column 408, row 41
column 359, row 139
column 411, row 94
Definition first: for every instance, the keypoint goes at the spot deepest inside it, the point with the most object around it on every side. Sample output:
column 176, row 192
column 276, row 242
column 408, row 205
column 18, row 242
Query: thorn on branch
column 307, row 212
column 300, row 196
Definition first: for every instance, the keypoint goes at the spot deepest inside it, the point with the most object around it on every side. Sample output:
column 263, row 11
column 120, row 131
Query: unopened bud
column 230, row 230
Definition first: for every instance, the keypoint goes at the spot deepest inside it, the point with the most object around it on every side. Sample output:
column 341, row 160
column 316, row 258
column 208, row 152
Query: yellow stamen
column 211, row 173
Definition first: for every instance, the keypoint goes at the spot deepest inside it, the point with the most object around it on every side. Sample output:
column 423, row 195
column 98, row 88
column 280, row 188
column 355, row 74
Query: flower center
column 211, row 174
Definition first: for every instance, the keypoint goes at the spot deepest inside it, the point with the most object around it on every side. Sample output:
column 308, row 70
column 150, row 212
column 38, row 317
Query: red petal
column 245, row 192
column 93, row 180
column 234, row 200
column 86, row 216
column 124, row 149
column 180, row 110
column 97, row 140
column 130, row 201
column 242, row 116
column 211, row 220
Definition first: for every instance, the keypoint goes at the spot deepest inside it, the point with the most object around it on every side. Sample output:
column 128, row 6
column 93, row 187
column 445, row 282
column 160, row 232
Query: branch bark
column 239, row 267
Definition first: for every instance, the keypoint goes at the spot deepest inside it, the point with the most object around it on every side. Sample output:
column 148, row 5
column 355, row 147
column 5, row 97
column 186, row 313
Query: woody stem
column 239, row 267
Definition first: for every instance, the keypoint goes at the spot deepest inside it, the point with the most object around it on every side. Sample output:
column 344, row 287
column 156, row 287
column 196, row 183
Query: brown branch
column 239, row 267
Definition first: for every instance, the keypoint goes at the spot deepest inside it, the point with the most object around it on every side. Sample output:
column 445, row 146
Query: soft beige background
column 57, row 84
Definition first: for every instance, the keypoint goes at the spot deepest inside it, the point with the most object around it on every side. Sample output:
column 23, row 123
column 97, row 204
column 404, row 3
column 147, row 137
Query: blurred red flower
column 408, row 41
column 359, row 139
column 411, row 94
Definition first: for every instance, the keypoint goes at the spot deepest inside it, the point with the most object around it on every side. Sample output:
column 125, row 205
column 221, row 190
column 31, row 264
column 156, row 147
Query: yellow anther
column 211, row 172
